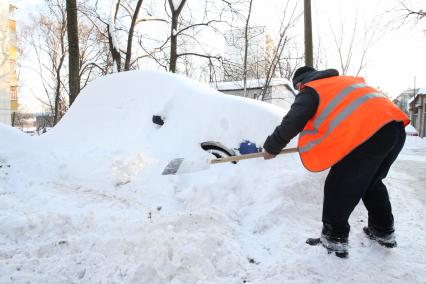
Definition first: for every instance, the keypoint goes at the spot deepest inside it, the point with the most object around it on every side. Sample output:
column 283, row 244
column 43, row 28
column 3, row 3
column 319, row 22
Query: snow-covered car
column 139, row 117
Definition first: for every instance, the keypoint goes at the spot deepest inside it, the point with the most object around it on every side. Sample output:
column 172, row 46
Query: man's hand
column 268, row 156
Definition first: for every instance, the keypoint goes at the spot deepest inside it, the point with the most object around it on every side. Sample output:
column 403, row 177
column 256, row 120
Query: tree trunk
column 116, row 57
column 57, row 98
column 173, row 33
column 309, row 61
column 112, row 40
column 173, row 46
column 246, row 44
column 130, row 37
column 74, row 51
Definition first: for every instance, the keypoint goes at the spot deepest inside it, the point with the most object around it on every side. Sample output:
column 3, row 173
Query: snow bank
column 85, row 202
column 410, row 130
column 109, row 128
column 12, row 141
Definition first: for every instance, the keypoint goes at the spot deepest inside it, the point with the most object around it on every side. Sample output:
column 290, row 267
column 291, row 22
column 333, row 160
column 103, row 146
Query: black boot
column 386, row 240
column 338, row 245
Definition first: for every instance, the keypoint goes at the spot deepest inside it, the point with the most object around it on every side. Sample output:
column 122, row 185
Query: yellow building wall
column 12, row 25
column 14, row 105
column 12, row 53
column 13, row 78
column 8, row 56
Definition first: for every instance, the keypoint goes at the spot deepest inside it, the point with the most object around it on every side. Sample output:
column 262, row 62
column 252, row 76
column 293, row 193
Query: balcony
column 12, row 26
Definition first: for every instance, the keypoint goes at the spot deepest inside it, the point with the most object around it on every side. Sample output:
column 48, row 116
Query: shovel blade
column 172, row 167
column 181, row 166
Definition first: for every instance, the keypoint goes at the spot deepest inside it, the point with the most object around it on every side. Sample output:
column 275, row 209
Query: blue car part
column 247, row 147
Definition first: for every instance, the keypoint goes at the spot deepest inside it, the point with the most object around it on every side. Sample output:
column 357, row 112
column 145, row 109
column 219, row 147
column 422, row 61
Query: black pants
column 359, row 176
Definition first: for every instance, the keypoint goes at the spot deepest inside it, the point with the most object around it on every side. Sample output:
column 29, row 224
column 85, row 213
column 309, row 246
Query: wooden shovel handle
column 249, row 156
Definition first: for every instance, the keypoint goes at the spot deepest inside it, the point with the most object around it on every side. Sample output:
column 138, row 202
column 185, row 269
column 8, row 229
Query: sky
column 399, row 54
column 394, row 63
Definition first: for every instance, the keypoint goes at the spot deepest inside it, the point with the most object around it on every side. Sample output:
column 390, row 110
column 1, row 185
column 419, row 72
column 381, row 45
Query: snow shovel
column 181, row 165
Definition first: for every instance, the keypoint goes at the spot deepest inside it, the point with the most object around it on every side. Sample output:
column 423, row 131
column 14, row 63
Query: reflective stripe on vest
column 339, row 118
column 349, row 112
column 330, row 107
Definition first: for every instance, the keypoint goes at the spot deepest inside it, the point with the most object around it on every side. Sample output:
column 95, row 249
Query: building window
column 14, row 93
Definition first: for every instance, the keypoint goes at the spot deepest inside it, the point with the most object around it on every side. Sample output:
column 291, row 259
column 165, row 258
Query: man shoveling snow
column 352, row 128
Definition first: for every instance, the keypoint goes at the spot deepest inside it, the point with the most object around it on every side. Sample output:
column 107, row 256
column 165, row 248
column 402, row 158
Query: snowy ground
column 243, row 223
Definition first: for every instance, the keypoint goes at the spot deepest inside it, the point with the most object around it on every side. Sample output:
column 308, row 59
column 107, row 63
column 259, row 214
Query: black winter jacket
column 304, row 107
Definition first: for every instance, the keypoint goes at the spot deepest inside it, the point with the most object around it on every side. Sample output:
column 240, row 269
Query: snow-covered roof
column 420, row 92
column 251, row 84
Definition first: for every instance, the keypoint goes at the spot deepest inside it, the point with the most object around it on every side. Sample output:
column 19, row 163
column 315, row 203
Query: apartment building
column 8, row 53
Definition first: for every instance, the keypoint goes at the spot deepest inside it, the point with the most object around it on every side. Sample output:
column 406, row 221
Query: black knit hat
column 301, row 74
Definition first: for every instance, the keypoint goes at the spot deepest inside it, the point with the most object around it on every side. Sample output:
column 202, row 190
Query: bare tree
column 49, row 43
column 246, row 45
column 74, row 51
column 259, row 51
column 127, row 62
column 354, row 42
column 320, row 56
column 121, row 22
column 266, row 54
column 290, row 17
column 186, row 30
column 175, row 13
column 276, row 54
column 122, row 9
column 112, row 37
column 46, row 36
column 290, row 61
column 177, row 29
column 406, row 13
column 95, row 57
column 185, row 23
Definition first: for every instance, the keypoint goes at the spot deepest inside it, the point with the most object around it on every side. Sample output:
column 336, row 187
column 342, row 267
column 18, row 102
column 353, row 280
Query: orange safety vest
column 348, row 114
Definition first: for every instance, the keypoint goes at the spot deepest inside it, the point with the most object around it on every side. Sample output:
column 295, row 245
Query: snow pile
column 12, row 140
column 86, row 203
column 410, row 130
column 110, row 128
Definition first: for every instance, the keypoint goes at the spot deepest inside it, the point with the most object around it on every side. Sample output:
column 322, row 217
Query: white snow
column 252, row 84
column 410, row 130
column 422, row 91
column 86, row 201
